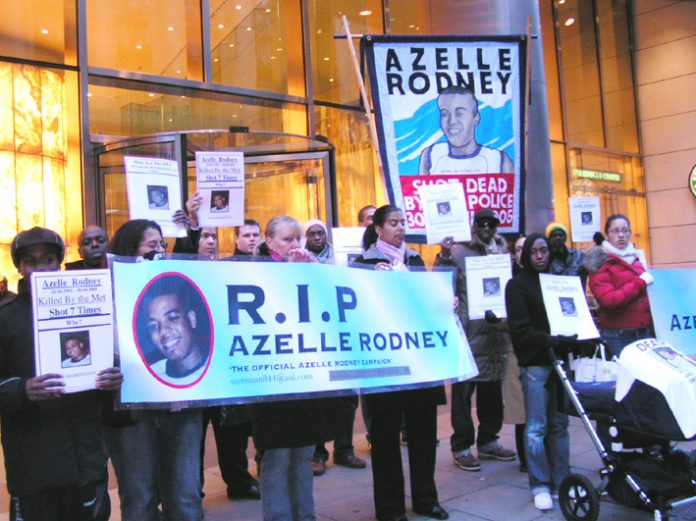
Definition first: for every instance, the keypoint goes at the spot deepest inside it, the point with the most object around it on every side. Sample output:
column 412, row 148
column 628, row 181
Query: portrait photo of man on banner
column 450, row 109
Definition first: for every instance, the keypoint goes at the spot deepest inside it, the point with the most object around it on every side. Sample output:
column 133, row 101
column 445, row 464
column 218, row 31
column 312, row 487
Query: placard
column 585, row 217
column 347, row 243
column 486, row 278
column 248, row 331
column 154, row 192
column 73, row 325
column 445, row 212
column 220, row 180
column 566, row 306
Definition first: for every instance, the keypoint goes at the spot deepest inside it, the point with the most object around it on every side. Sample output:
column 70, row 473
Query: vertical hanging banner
column 449, row 109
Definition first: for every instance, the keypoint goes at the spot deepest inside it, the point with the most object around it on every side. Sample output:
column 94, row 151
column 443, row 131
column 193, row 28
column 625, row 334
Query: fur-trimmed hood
column 595, row 256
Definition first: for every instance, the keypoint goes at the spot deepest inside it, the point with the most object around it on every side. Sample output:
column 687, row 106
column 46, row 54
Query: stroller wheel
column 578, row 499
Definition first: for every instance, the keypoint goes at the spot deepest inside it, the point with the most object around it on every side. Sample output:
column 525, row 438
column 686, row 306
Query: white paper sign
column 445, row 212
column 566, row 306
column 585, row 217
column 347, row 243
column 220, row 180
column 154, row 192
column 486, row 278
column 73, row 325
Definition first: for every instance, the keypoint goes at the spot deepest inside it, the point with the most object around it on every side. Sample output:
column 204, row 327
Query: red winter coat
column 619, row 290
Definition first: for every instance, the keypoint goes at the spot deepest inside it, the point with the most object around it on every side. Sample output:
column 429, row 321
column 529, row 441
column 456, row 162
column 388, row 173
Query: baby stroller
column 640, row 468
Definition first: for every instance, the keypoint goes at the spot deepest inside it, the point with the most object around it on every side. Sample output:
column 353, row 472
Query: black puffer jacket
column 47, row 444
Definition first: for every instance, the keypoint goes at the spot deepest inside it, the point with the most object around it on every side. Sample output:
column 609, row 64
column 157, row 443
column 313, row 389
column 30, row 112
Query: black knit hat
column 33, row 236
column 486, row 213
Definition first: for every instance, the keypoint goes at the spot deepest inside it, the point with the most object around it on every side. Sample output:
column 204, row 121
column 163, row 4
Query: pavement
column 500, row 492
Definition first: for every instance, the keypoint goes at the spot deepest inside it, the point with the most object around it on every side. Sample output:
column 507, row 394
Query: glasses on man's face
column 620, row 231
column 154, row 245
column 486, row 224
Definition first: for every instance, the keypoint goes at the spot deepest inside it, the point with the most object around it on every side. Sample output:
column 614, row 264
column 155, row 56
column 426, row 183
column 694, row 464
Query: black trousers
column 231, row 442
column 77, row 503
column 343, row 441
column 387, row 410
column 489, row 408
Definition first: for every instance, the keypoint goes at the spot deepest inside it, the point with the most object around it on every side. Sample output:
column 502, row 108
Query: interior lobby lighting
column 326, row 58
column 170, row 28
column 365, row 12
column 216, row 60
column 570, row 21
column 151, row 94
column 238, row 7
column 268, row 9
column 44, row 31
column 561, row 2
column 231, row 45
column 248, row 28
column 279, row 49
column 138, row 46
column 221, row 26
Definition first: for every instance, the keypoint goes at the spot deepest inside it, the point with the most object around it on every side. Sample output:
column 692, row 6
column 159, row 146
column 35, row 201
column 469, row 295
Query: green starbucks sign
column 692, row 181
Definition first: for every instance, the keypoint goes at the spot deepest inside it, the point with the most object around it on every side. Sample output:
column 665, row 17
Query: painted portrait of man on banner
column 449, row 109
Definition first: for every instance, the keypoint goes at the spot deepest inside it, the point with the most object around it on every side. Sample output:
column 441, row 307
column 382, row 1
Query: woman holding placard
column 619, row 282
column 286, row 432
column 546, row 434
column 386, row 250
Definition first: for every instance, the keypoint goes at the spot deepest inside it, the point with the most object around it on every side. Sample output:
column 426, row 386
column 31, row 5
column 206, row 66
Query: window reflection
column 146, row 112
column 161, row 37
column 47, row 34
column 257, row 45
column 332, row 66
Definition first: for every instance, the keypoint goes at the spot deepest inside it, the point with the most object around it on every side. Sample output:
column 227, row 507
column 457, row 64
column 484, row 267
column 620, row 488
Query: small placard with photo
column 73, row 325
column 486, row 278
column 566, row 306
column 585, row 217
column 220, row 181
column 445, row 212
column 154, row 192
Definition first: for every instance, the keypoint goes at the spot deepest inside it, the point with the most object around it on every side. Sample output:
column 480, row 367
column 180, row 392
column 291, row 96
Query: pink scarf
column 394, row 254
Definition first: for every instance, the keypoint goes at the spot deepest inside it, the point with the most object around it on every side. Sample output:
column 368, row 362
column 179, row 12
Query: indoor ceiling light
column 365, row 12
column 570, row 21
column 170, row 28
column 44, row 31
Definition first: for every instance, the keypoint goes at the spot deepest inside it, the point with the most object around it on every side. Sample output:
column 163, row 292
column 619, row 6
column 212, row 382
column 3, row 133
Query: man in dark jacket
column 489, row 342
column 54, row 453
column 93, row 243
column 564, row 260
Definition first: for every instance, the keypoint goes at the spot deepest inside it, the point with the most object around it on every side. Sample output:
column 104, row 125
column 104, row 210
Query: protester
column 365, row 215
column 316, row 240
column 156, row 460
column 285, row 432
column 93, row 244
column 514, row 413
column 564, row 260
column 489, row 342
column 387, row 252
column 546, row 434
column 247, row 237
column 619, row 282
column 52, row 441
column 5, row 294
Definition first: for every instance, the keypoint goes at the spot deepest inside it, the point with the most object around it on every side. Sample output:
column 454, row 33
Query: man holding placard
column 489, row 343
column 54, row 455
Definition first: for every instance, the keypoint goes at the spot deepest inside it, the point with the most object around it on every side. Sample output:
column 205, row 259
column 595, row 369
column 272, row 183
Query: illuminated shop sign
column 597, row 175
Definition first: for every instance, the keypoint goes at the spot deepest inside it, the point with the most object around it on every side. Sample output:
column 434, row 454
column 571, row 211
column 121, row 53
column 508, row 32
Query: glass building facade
column 78, row 74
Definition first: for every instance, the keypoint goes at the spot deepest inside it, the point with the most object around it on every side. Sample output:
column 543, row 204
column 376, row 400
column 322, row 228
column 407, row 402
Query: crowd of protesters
column 56, row 444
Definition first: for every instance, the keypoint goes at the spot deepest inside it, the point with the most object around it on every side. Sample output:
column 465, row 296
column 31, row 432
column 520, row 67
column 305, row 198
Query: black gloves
column 491, row 317
column 563, row 341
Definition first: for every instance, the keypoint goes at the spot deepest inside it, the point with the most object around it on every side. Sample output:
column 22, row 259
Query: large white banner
column 233, row 331
column 450, row 109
